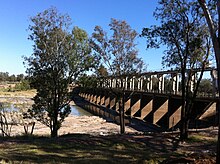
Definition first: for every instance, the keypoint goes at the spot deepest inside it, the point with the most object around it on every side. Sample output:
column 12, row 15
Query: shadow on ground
column 76, row 148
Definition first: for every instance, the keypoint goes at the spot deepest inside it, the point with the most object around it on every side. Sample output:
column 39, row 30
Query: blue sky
column 86, row 14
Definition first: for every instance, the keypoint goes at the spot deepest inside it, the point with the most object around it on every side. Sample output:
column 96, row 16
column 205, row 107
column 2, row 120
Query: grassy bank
column 82, row 148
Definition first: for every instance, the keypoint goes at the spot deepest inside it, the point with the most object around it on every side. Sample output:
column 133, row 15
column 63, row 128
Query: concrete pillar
column 119, row 83
column 192, row 82
column 109, row 83
column 161, row 82
column 149, row 83
column 104, row 83
column 214, row 75
column 130, row 82
column 138, row 83
column 125, row 85
column 141, row 80
column 114, row 83
column 133, row 83
column 175, row 83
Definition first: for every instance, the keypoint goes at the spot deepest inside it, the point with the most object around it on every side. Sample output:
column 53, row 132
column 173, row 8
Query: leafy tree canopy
column 182, row 30
column 118, row 53
column 59, row 55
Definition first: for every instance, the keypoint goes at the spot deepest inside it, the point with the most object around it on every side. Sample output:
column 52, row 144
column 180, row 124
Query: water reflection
column 77, row 111
column 8, row 107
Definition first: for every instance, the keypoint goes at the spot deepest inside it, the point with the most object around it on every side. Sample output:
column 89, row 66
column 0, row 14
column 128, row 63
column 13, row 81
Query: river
column 77, row 111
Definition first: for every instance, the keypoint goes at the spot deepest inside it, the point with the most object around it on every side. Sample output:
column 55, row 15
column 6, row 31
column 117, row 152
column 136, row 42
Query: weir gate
column 154, row 98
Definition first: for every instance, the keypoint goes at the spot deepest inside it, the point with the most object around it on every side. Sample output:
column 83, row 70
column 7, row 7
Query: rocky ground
column 76, row 124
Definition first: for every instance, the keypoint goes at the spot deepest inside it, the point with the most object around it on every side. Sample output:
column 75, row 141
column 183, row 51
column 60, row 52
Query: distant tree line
column 21, row 81
column 4, row 76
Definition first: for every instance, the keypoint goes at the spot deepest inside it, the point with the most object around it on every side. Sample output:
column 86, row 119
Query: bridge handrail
column 144, row 81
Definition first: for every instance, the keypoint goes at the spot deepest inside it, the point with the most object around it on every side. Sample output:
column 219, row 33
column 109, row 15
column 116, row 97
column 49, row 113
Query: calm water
column 10, row 108
column 77, row 111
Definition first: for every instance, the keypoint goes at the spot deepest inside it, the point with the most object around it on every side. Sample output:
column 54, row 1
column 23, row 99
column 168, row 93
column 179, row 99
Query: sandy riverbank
column 77, row 124
column 73, row 124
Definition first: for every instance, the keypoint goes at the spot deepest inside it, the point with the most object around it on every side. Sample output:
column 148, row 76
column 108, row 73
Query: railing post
column 130, row 81
column 126, row 83
column 149, row 83
column 109, row 83
column 104, row 83
column 175, row 82
column 133, row 82
column 118, row 83
column 141, row 83
column 161, row 82
column 113, row 83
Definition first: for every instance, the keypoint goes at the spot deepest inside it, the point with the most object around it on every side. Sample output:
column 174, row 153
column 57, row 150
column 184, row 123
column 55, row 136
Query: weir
column 163, row 111
column 159, row 106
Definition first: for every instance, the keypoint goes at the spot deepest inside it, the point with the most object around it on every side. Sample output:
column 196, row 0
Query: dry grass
column 84, row 148
column 28, row 93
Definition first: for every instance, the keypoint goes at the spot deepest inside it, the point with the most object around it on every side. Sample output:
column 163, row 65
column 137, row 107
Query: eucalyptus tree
column 188, row 47
column 118, row 55
column 211, row 11
column 59, row 56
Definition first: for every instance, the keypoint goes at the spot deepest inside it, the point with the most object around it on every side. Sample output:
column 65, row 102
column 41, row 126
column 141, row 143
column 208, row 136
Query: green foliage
column 205, row 86
column 4, row 76
column 118, row 53
column 102, row 71
column 59, row 56
column 184, row 33
column 24, row 85
column 87, row 81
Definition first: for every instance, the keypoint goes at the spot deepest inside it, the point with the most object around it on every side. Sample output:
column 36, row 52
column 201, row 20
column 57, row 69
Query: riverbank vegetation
column 12, row 86
column 10, row 91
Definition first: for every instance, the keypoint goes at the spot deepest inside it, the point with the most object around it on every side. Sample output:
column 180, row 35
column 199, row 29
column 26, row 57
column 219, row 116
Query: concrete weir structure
column 154, row 104
column 161, row 110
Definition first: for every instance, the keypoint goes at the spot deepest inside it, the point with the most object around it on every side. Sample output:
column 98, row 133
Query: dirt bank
column 77, row 124
column 73, row 124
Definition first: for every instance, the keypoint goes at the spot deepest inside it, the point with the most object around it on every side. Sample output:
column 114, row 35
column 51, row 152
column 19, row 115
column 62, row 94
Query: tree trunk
column 54, row 132
column 218, row 111
column 187, row 118
column 216, row 45
column 183, row 109
column 121, row 110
